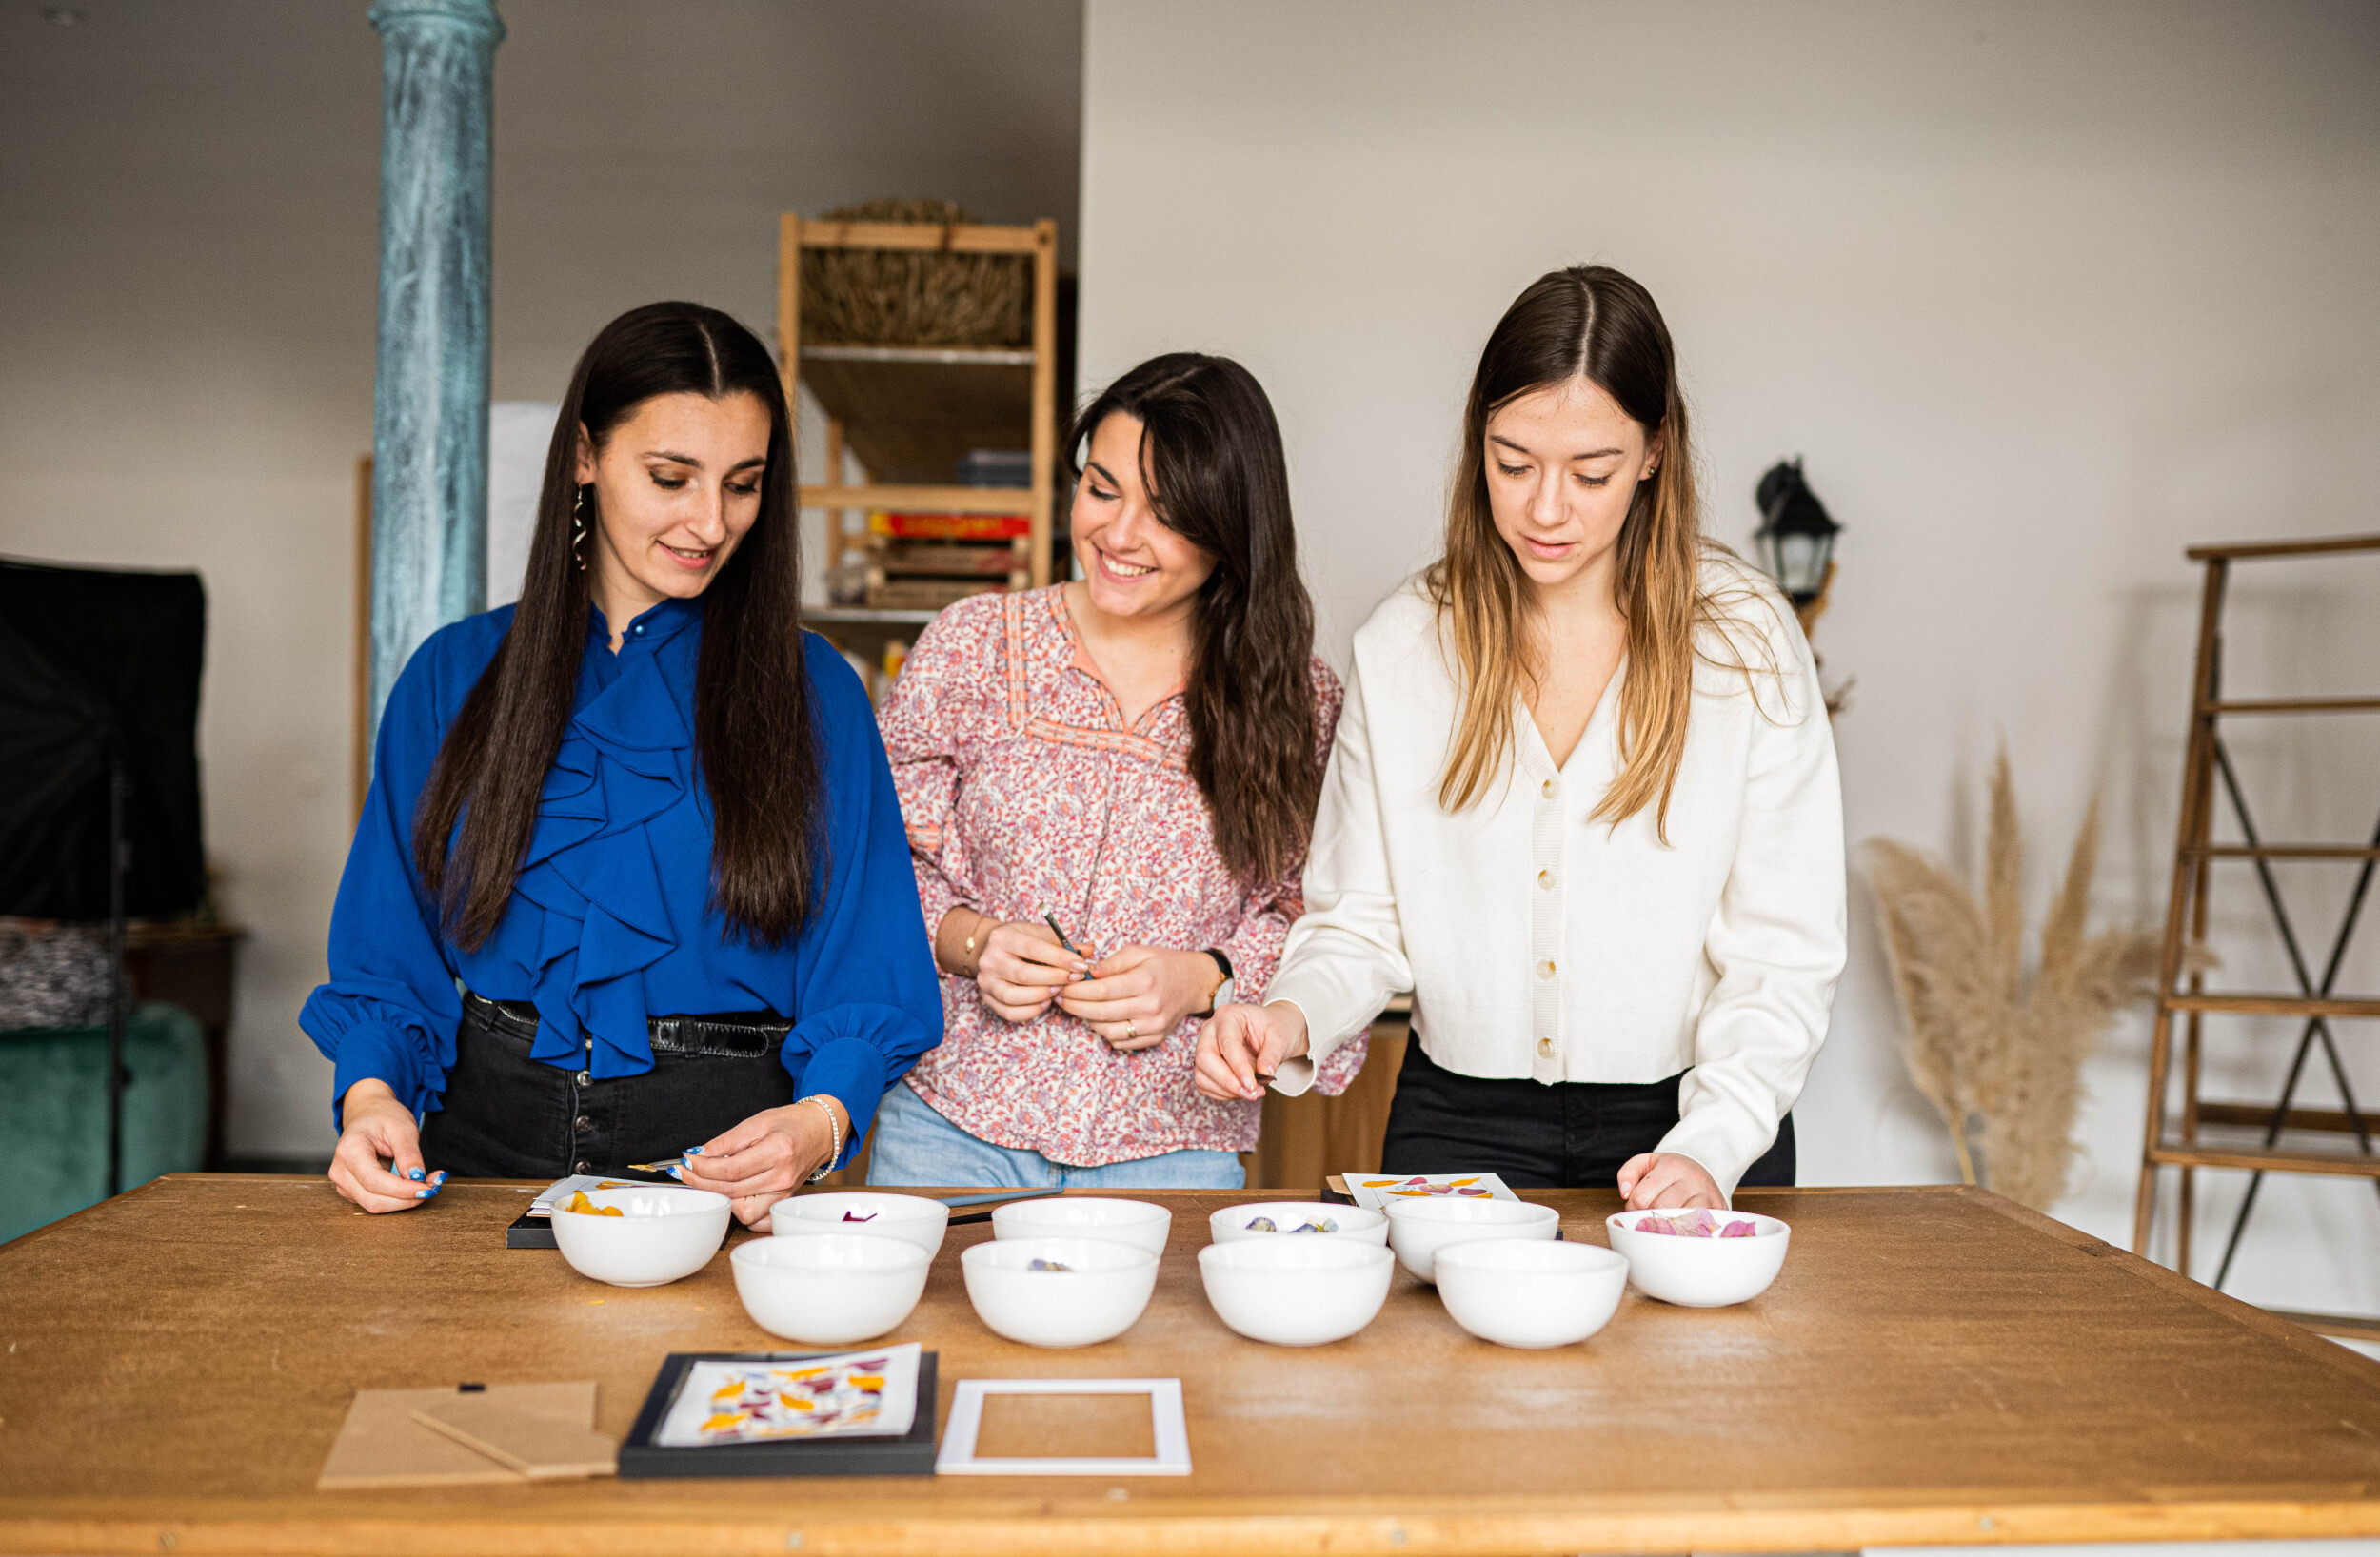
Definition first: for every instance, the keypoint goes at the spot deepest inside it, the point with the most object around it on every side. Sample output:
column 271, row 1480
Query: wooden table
column 1933, row 1365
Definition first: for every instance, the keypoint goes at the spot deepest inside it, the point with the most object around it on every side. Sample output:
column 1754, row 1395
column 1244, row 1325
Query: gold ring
column 1130, row 1036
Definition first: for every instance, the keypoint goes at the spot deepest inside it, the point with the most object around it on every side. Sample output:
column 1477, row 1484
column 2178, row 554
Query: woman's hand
column 1665, row 1181
column 378, row 1164
column 1241, row 1048
column 1022, row 969
column 767, row 1157
column 1139, row 994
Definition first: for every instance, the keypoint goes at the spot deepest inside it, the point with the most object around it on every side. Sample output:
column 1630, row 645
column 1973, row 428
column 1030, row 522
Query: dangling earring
column 578, row 530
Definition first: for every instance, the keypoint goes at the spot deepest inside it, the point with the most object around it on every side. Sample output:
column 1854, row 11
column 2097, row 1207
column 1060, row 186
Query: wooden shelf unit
column 907, row 411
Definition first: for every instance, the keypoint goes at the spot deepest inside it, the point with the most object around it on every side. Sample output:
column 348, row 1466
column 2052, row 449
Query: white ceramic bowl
column 1097, row 1297
column 912, row 1218
column 829, row 1289
column 1133, row 1222
column 1231, row 1224
column 1418, row 1228
column 1296, row 1291
column 663, row 1231
column 1701, row 1272
column 1527, row 1292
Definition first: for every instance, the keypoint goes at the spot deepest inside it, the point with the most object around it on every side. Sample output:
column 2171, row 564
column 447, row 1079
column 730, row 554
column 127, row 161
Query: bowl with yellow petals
column 641, row 1235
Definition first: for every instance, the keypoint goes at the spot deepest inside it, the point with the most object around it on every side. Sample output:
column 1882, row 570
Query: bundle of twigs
column 911, row 297
column 1998, row 1054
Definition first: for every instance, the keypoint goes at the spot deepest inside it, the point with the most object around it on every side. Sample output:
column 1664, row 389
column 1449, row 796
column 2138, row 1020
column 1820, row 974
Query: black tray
column 911, row 1454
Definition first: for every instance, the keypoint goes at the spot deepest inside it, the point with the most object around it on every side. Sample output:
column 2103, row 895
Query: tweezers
column 987, row 1199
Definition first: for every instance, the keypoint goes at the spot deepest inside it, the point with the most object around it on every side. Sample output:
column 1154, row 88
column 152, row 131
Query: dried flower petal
column 1696, row 1223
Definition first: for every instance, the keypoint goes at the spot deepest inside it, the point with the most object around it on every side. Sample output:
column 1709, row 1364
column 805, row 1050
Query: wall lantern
column 1796, row 535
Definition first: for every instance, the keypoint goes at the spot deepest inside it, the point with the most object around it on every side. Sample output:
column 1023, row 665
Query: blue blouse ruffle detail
column 626, row 756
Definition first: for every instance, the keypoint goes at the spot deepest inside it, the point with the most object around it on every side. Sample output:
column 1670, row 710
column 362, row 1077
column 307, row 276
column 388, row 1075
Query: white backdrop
column 2042, row 293
column 519, row 433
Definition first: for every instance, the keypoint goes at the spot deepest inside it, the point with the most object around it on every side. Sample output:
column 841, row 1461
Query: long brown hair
column 1586, row 322
column 1211, row 458
column 755, row 744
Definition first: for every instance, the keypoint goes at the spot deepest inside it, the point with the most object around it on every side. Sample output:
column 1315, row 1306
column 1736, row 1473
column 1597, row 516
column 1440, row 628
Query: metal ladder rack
column 2181, row 987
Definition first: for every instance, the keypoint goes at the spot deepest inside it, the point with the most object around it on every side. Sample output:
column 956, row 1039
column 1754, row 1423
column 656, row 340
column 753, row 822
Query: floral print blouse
column 1024, row 793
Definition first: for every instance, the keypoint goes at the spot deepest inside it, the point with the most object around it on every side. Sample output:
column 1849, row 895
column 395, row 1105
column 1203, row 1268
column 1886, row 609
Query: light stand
column 119, row 863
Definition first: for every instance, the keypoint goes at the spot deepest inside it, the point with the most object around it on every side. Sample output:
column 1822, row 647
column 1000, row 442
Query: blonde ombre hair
column 1587, row 321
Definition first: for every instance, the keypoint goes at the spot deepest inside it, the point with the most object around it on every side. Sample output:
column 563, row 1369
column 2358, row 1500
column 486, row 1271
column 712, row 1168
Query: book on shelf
column 996, row 468
column 886, row 594
column 918, row 526
column 949, row 559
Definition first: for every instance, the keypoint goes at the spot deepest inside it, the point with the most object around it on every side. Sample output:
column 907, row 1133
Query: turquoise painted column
column 429, row 394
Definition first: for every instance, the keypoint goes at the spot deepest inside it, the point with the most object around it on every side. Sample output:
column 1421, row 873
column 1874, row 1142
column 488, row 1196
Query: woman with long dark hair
column 1583, row 805
column 1108, row 785
column 630, row 880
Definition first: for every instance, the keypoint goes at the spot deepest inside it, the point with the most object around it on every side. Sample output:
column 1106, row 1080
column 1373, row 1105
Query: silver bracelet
column 834, row 1127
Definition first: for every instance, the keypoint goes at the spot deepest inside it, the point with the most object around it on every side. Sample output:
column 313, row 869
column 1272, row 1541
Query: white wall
column 2042, row 293
column 189, row 252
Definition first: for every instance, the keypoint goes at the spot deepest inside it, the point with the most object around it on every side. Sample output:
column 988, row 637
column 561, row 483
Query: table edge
column 1389, row 1527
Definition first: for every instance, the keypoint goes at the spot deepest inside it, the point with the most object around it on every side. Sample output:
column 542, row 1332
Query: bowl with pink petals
column 1697, row 1258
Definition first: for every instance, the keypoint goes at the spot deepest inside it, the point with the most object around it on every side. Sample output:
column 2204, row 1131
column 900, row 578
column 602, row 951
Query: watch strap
column 1225, row 977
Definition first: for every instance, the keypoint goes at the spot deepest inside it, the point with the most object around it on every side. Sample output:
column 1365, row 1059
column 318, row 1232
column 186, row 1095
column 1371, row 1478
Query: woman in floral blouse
column 1136, row 755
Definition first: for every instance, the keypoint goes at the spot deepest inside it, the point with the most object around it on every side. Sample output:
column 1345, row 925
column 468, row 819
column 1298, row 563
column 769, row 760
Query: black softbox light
column 91, row 660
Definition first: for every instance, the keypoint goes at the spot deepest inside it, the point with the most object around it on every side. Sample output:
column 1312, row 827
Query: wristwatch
column 1226, row 989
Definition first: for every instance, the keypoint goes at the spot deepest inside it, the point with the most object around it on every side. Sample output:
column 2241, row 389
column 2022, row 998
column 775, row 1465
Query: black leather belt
column 733, row 1035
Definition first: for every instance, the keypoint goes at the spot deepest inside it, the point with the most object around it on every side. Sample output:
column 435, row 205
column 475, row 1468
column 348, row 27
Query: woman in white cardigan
column 1583, row 805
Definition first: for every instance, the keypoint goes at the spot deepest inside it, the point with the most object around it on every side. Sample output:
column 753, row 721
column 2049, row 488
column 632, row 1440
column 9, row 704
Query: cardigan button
column 1548, row 789
column 584, row 1078
column 1545, row 969
column 580, row 1167
column 1545, row 1046
column 584, row 1124
column 1546, row 880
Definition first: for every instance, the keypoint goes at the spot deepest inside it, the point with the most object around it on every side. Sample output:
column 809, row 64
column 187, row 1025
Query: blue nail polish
column 424, row 1195
column 691, row 1152
column 415, row 1174
column 438, row 1179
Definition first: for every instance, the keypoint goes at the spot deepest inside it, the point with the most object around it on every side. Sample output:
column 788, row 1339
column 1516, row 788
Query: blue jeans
column 915, row 1145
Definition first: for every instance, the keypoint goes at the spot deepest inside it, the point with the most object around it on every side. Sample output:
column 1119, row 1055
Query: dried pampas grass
column 914, row 297
column 1998, row 1054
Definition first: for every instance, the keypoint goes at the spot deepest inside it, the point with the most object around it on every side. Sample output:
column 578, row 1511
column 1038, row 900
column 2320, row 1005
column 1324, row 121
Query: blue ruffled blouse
column 611, row 920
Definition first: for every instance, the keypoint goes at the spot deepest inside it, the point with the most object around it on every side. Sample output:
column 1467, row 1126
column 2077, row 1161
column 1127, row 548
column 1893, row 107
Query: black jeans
column 510, row 1116
column 1573, row 1134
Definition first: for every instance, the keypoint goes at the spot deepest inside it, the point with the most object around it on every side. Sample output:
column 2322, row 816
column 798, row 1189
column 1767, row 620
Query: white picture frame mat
column 1169, row 1431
